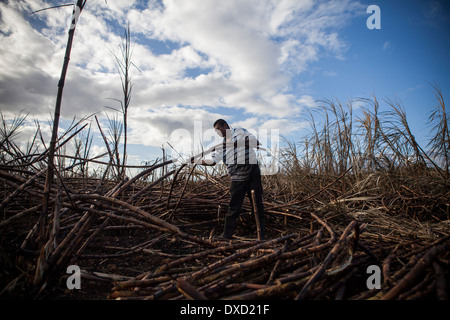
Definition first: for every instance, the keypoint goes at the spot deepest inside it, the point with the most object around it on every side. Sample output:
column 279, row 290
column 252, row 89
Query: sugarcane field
column 356, row 209
column 156, row 235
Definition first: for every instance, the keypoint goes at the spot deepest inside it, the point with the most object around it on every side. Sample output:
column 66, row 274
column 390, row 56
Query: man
column 242, row 165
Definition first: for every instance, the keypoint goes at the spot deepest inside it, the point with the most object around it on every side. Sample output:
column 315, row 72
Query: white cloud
column 155, row 126
column 248, row 53
column 307, row 101
column 238, row 39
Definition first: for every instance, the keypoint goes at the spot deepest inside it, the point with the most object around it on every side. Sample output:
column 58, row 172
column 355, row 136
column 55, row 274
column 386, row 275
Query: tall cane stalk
column 43, row 230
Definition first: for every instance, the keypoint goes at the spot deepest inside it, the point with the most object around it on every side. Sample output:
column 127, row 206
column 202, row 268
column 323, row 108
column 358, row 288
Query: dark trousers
column 238, row 191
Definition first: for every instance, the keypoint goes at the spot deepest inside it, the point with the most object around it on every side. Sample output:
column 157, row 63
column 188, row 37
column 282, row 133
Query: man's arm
column 204, row 162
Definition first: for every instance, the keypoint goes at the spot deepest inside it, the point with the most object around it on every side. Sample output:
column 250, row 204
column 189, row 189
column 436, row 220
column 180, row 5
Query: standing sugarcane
column 124, row 64
column 43, row 230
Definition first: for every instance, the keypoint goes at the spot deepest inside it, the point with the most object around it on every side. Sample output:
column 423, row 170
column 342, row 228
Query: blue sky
column 401, row 60
column 259, row 64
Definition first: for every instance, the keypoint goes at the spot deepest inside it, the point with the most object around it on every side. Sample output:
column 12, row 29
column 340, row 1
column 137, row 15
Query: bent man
column 237, row 152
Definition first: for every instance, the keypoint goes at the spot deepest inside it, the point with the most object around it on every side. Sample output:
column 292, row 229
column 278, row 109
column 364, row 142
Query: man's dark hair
column 221, row 123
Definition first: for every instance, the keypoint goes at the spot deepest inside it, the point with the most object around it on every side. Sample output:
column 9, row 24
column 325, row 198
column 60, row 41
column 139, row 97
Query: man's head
column 221, row 127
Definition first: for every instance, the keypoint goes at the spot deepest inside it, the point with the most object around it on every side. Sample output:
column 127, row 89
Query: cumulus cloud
column 191, row 57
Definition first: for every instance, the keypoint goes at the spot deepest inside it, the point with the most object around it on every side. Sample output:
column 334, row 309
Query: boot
column 228, row 228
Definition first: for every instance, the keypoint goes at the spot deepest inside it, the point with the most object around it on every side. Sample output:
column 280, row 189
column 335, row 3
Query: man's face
column 221, row 131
